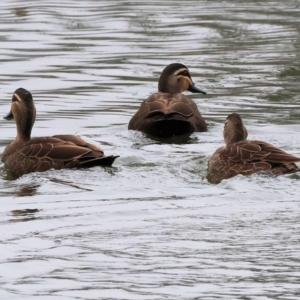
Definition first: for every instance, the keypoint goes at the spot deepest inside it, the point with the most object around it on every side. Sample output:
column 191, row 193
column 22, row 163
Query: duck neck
column 234, row 136
column 24, row 130
column 22, row 137
column 169, row 85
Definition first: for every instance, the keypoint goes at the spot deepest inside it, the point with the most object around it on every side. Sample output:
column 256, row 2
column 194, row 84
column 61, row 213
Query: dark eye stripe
column 184, row 73
column 15, row 99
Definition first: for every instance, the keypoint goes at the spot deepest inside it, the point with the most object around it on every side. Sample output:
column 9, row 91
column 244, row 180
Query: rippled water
column 151, row 227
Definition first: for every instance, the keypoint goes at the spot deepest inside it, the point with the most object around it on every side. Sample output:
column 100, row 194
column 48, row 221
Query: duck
column 26, row 155
column 168, row 112
column 246, row 157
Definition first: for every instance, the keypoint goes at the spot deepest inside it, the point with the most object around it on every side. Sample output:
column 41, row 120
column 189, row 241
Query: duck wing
column 164, row 106
column 253, row 151
column 248, row 157
column 43, row 153
column 167, row 104
column 78, row 141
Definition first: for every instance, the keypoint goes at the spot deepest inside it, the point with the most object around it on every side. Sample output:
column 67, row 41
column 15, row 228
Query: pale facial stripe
column 185, row 77
column 181, row 70
column 18, row 97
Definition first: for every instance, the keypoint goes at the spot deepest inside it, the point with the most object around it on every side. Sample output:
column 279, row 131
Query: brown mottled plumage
column 25, row 155
column 169, row 113
column 240, row 156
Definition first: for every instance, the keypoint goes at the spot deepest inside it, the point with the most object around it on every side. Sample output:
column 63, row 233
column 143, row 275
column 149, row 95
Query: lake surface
column 151, row 227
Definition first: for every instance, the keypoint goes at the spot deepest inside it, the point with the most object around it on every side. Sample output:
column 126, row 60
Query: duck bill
column 194, row 89
column 9, row 116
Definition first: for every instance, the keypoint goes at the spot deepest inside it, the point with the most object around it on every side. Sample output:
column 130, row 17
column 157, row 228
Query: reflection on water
column 24, row 215
column 152, row 227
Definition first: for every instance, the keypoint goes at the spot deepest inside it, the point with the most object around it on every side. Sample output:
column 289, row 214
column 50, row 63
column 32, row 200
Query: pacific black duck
column 168, row 112
column 240, row 156
column 25, row 154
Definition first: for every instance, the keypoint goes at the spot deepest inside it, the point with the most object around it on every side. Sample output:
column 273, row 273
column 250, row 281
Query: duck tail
column 106, row 161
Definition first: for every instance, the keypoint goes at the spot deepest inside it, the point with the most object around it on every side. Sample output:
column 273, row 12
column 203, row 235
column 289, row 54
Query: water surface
column 151, row 227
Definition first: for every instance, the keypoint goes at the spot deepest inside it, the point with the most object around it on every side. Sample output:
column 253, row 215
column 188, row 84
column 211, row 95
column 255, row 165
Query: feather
column 169, row 113
column 26, row 155
column 247, row 157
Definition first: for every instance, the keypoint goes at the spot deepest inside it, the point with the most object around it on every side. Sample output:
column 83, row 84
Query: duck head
column 234, row 129
column 23, row 111
column 176, row 78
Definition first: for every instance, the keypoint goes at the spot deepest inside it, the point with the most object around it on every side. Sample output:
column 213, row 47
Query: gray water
column 151, row 227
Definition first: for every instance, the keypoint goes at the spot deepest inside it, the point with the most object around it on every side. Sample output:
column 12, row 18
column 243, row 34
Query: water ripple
column 151, row 227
